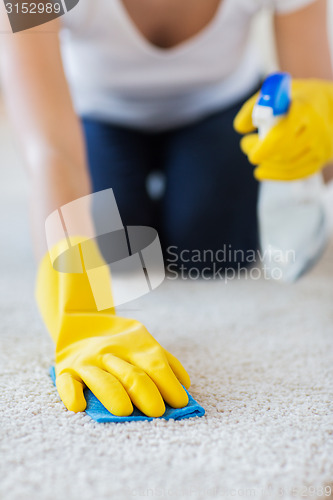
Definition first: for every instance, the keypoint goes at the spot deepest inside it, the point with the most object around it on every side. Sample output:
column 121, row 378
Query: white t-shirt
column 118, row 76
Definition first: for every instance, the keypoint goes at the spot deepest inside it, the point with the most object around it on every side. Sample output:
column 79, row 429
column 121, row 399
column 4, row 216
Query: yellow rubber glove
column 116, row 358
column 301, row 143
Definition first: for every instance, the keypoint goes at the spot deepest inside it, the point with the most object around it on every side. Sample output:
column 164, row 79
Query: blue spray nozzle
column 276, row 93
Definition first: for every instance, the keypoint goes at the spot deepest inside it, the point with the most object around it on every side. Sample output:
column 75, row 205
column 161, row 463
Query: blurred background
column 13, row 182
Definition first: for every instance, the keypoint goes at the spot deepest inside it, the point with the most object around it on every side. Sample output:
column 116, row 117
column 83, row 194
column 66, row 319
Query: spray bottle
column 292, row 218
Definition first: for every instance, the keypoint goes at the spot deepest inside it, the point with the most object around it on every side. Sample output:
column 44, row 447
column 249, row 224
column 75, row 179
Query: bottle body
column 293, row 226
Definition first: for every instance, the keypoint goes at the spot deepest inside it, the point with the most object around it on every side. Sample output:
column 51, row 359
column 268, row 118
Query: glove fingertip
column 243, row 120
column 182, row 375
column 78, row 405
column 156, row 410
column 258, row 174
column 237, row 124
column 178, row 370
column 71, row 392
column 182, row 400
column 122, row 411
column 247, row 144
column 243, row 125
column 258, row 152
column 254, row 159
column 243, row 145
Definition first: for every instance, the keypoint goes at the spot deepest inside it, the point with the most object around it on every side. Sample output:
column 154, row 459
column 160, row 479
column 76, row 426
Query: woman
column 131, row 88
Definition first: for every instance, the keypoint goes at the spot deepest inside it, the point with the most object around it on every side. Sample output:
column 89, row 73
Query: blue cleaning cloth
column 100, row 414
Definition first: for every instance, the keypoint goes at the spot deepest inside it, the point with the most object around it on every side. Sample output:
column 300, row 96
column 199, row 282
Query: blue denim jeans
column 210, row 197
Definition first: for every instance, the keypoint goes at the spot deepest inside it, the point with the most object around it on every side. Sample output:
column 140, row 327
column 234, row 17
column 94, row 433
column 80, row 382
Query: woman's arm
column 142, row 372
column 303, row 47
column 40, row 106
column 302, row 42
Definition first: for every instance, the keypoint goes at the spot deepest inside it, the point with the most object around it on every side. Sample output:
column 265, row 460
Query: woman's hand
column 301, row 143
column 115, row 357
column 122, row 365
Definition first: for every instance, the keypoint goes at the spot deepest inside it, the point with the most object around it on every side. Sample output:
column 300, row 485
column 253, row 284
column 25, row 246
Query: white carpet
column 260, row 358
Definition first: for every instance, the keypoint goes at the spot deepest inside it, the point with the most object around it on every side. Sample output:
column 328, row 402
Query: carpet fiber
column 260, row 357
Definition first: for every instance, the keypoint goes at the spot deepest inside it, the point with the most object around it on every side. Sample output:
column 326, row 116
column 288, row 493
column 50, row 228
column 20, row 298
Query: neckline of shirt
column 142, row 42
